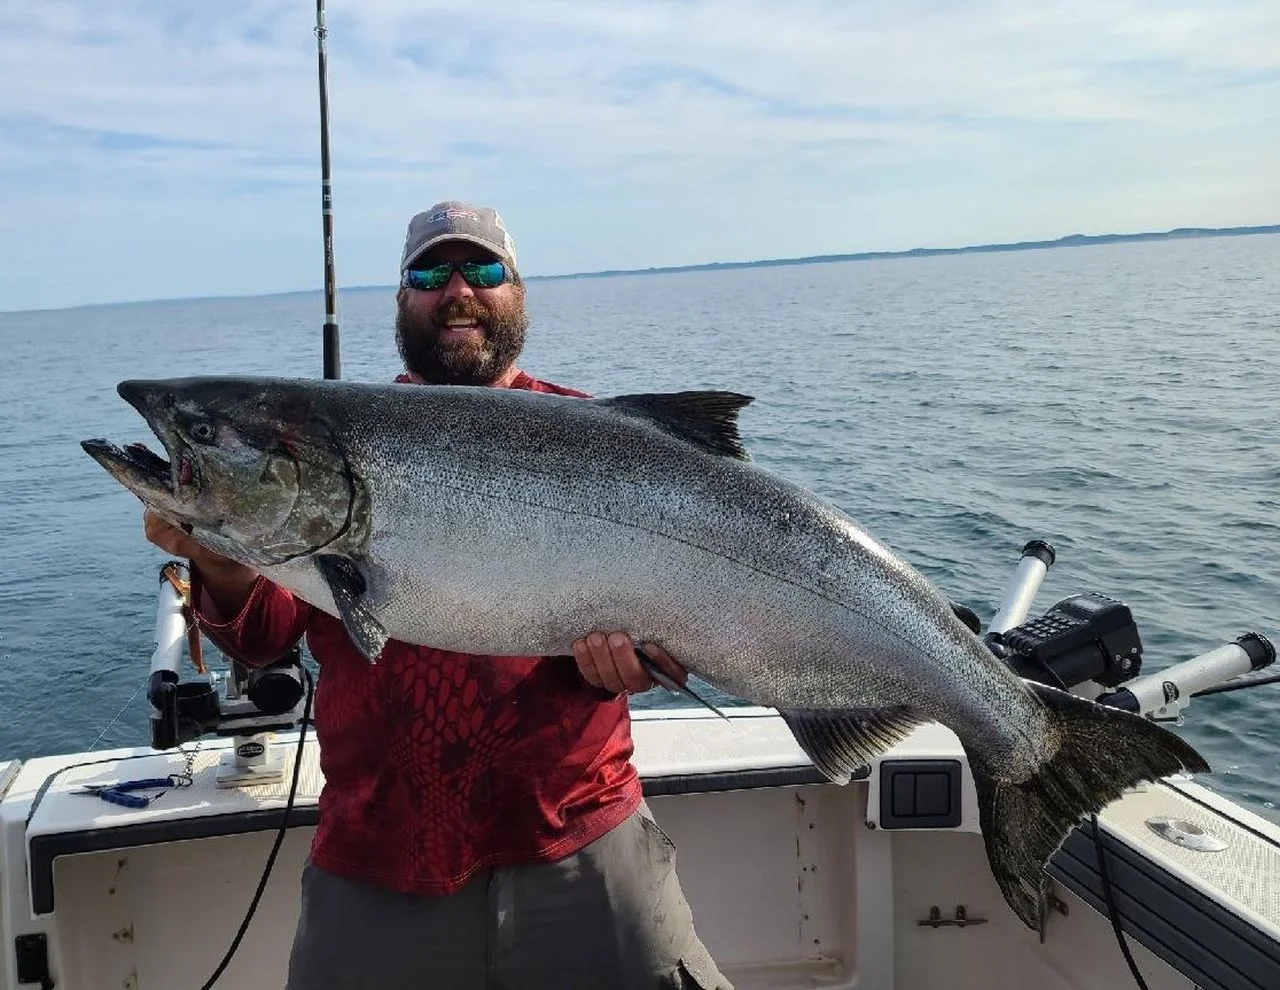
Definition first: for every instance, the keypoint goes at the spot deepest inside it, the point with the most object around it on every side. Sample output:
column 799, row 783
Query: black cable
column 275, row 848
column 1112, row 913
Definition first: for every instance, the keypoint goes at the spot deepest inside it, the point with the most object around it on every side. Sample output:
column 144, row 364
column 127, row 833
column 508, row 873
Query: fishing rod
column 332, row 370
column 332, row 363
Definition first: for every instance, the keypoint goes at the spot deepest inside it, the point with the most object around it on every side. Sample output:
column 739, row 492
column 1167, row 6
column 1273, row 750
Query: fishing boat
column 795, row 882
column 176, row 864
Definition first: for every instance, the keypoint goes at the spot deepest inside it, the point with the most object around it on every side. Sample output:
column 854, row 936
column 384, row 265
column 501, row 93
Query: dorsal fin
column 706, row 419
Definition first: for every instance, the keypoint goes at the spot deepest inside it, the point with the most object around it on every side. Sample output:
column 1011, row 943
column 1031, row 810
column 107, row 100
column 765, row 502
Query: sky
column 160, row 149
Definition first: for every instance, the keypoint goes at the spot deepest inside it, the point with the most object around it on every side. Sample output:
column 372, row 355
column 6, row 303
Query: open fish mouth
column 143, row 471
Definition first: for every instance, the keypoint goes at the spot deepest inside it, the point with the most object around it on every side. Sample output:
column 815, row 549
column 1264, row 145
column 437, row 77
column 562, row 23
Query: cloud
column 168, row 151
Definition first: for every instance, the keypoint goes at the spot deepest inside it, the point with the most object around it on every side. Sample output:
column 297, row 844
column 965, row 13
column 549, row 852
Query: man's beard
column 462, row 362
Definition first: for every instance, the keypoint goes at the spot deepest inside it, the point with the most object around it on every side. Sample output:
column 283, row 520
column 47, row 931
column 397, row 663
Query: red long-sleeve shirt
column 439, row 764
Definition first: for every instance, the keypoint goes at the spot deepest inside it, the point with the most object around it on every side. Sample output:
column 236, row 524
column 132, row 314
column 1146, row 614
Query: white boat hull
column 794, row 883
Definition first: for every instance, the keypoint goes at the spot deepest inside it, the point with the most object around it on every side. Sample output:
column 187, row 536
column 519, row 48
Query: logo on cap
column 453, row 214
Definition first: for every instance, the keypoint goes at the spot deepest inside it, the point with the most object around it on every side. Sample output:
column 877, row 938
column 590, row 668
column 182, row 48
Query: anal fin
column 841, row 742
column 347, row 585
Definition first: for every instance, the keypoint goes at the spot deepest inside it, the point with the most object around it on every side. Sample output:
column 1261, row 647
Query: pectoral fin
column 348, row 587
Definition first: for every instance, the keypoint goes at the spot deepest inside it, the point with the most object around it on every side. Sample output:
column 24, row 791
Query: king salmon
column 501, row 521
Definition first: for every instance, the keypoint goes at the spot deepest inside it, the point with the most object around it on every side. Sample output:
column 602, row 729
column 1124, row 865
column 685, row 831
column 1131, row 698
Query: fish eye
column 203, row 432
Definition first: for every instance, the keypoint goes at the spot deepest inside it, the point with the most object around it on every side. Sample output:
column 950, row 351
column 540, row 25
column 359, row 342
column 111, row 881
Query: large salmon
column 501, row 521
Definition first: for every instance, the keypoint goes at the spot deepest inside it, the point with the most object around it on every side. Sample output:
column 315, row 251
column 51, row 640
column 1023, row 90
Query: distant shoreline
column 1068, row 241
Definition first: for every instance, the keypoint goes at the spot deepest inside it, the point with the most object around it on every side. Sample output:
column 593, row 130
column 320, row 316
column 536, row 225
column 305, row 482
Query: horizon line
column 1067, row 240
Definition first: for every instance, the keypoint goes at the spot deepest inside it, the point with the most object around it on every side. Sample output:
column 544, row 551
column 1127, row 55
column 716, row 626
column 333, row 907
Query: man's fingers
column 597, row 664
column 613, row 663
column 165, row 535
column 606, row 667
column 177, row 540
column 626, row 664
column 586, row 665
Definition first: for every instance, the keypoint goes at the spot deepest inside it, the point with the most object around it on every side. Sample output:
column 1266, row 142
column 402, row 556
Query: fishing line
column 116, row 717
column 1238, row 685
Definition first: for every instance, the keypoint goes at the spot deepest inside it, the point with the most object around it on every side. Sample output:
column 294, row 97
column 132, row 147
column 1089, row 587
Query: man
column 481, row 823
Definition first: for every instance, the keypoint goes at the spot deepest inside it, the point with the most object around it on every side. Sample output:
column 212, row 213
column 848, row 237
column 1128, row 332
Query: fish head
column 253, row 471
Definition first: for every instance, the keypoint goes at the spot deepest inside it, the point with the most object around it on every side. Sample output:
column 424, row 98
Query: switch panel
column 920, row 794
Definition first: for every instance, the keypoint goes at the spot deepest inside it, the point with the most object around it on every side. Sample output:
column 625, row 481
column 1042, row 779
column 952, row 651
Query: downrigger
column 247, row 704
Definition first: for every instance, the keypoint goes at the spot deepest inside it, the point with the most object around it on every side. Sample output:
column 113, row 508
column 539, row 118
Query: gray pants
column 610, row 916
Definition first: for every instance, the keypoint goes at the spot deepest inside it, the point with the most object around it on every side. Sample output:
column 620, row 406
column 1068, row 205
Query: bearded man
column 481, row 822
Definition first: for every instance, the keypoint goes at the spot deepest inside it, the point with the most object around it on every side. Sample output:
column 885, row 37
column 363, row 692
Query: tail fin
column 1103, row 752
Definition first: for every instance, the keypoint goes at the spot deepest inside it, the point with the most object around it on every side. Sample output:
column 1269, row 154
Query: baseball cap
column 454, row 221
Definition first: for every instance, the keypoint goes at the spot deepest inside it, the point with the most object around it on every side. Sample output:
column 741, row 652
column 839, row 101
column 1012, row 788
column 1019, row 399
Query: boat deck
column 794, row 882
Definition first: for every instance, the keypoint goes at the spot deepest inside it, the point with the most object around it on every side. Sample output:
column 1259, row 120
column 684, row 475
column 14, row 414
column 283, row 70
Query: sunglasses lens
column 485, row 276
column 429, row 279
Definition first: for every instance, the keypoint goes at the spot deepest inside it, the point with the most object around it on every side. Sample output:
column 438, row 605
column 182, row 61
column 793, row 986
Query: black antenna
column 332, row 363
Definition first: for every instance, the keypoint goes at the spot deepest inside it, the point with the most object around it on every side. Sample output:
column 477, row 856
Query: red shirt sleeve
column 269, row 623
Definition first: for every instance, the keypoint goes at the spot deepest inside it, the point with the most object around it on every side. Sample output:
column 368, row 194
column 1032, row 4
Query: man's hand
column 177, row 541
column 609, row 661
column 170, row 538
column 227, row 581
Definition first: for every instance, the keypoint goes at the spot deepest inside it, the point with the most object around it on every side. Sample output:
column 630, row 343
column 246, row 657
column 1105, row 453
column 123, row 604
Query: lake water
column 1119, row 401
